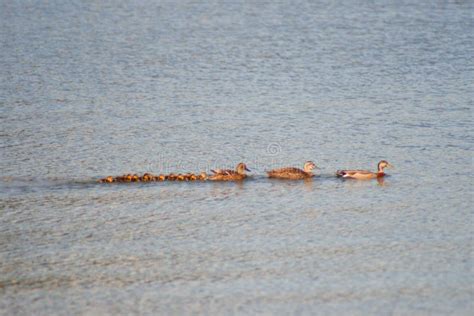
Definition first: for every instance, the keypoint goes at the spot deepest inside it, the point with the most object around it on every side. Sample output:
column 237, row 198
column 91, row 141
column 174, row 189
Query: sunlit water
column 94, row 89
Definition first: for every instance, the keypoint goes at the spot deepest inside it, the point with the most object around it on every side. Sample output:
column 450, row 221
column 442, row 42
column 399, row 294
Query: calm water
column 104, row 88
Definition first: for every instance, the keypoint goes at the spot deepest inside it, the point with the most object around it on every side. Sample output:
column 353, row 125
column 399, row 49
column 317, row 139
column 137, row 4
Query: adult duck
column 230, row 175
column 365, row 174
column 293, row 173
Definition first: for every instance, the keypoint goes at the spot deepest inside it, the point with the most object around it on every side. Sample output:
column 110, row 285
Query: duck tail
column 340, row 173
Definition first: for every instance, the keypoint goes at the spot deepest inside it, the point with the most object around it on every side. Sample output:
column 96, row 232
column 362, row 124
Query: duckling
column 171, row 177
column 146, row 177
column 127, row 178
column 293, row 173
column 135, row 178
column 161, row 177
column 230, row 175
column 365, row 174
column 181, row 177
column 192, row 177
column 108, row 179
column 202, row 176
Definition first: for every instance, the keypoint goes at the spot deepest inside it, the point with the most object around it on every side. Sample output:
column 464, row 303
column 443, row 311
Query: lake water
column 110, row 87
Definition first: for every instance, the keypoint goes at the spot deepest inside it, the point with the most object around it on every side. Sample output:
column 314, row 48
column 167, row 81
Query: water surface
column 95, row 89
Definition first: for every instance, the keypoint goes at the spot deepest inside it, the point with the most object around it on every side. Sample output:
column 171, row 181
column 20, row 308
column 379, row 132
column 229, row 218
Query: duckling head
column 309, row 166
column 241, row 168
column 383, row 164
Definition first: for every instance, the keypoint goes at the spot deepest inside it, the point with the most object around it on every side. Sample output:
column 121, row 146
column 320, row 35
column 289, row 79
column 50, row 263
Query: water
column 96, row 89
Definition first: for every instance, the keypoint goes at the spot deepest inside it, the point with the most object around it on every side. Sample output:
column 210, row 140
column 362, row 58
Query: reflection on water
column 97, row 89
column 352, row 183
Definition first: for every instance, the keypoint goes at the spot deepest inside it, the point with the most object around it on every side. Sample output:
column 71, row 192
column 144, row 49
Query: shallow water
column 96, row 89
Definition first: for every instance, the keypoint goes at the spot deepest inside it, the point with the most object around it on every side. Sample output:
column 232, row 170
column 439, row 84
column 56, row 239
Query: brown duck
column 230, row 175
column 293, row 173
column 171, row 177
column 202, row 176
column 146, row 177
column 109, row 179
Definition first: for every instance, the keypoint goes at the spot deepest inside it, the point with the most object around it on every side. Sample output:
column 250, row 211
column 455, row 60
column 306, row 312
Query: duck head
column 309, row 166
column 241, row 168
column 383, row 164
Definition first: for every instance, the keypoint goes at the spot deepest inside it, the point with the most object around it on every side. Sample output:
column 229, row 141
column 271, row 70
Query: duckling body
column 108, row 179
column 293, row 173
column 365, row 174
column 230, row 175
column 146, row 177
column 171, row 177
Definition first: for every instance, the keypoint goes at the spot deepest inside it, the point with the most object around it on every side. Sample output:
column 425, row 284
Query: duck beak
column 316, row 167
column 390, row 166
column 247, row 169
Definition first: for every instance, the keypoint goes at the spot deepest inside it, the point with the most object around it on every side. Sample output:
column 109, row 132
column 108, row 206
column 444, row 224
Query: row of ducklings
column 239, row 174
column 148, row 177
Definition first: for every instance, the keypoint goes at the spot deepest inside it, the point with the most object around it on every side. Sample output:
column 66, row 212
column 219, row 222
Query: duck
column 294, row 173
column 146, row 177
column 108, row 179
column 365, row 174
column 230, row 175
column 127, row 178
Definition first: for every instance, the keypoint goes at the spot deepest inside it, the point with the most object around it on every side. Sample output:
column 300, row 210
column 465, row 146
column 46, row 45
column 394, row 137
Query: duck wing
column 227, row 176
column 353, row 173
column 222, row 171
column 288, row 172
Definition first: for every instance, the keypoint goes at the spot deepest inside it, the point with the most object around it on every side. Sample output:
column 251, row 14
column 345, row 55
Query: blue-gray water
column 97, row 88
